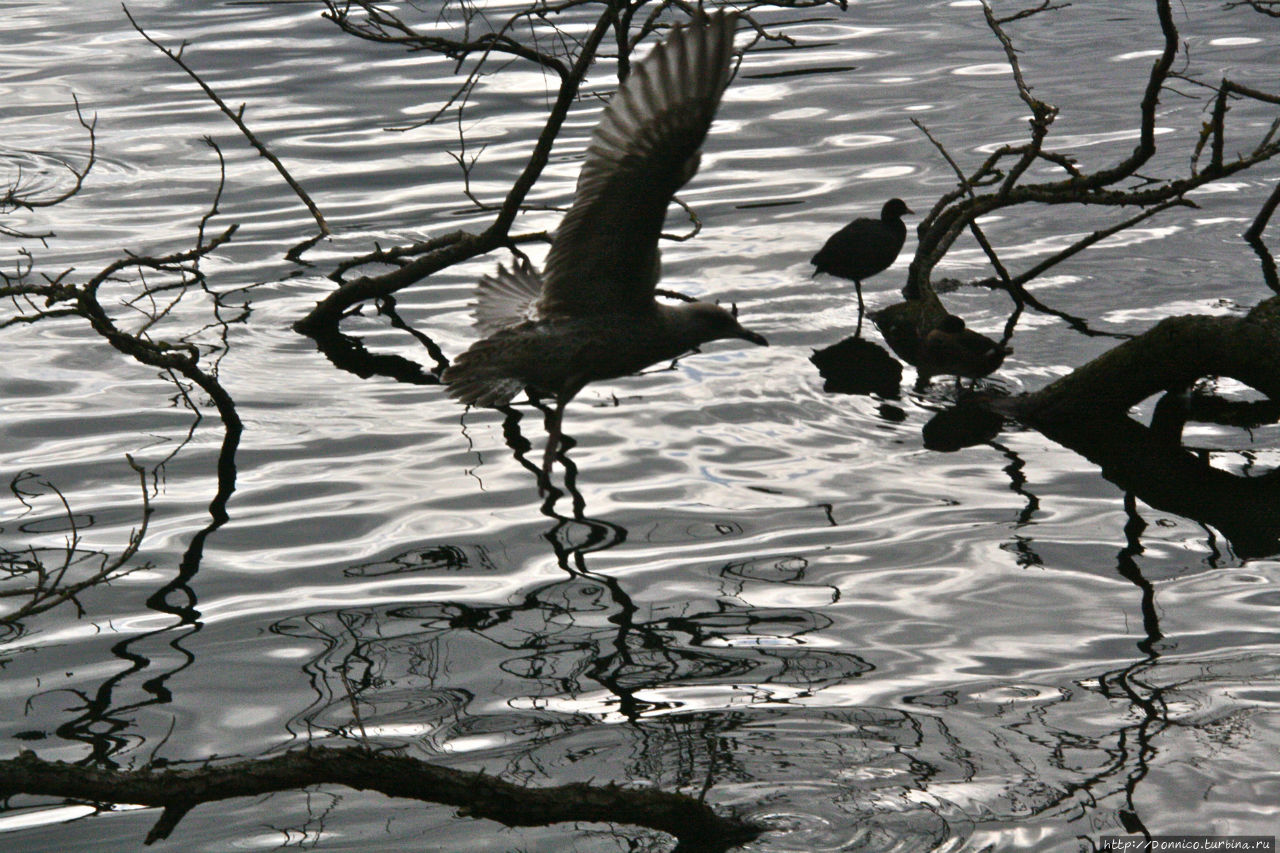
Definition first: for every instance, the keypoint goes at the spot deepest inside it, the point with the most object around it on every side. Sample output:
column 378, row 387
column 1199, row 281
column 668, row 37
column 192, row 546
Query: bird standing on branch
column 864, row 247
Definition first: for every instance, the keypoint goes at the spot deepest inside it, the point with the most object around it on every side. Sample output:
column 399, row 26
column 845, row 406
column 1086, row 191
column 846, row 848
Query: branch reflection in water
column 584, row 634
column 808, row 673
column 100, row 719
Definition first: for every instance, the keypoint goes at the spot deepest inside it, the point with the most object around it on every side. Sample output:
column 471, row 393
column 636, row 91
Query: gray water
column 766, row 592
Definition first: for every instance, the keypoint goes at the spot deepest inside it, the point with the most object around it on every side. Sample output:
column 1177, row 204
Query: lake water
column 747, row 588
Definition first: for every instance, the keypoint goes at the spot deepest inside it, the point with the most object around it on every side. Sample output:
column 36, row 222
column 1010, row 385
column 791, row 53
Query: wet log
column 1087, row 411
column 1170, row 356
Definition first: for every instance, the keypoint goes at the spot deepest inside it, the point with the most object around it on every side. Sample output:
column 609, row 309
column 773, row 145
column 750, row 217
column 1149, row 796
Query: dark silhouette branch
column 569, row 86
column 383, row 26
column 1253, row 237
column 460, row 245
column 478, row 795
column 1171, row 355
column 59, row 296
column 1000, row 182
column 1111, row 186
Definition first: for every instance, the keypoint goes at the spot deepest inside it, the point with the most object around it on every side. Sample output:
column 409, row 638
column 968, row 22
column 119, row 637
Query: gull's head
column 700, row 322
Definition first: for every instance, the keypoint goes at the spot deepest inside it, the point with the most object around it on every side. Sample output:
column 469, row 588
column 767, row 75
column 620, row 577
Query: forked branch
column 999, row 181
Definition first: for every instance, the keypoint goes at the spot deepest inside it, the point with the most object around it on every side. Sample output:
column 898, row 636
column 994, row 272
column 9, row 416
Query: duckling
column 951, row 349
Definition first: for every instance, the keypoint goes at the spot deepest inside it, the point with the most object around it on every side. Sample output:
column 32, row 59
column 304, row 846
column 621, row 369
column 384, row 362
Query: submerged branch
column 474, row 794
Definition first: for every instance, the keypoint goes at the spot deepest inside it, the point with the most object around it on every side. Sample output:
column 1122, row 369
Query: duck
column 591, row 313
column 951, row 349
column 864, row 247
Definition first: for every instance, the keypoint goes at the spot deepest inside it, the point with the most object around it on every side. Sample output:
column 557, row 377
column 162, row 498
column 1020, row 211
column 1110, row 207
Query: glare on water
column 747, row 585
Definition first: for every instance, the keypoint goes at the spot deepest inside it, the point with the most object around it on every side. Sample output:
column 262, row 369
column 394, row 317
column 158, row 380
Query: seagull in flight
column 591, row 313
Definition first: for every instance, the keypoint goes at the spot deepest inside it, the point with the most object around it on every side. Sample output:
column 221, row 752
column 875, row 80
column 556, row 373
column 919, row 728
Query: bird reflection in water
column 921, row 334
column 858, row 366
column 592, row 314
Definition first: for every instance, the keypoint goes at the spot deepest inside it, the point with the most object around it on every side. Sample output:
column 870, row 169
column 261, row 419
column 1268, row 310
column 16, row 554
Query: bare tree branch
column 993, row 185
column 28, row 575
column 460, row 246
column 237, row 117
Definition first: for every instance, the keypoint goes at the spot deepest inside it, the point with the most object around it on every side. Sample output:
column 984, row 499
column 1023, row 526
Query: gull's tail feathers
column 484, row 374
column 507, row 297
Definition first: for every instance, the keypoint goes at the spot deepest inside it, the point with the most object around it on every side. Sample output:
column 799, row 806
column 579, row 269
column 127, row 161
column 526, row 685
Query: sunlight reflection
column 1234, row 41
column 887, row 172
column 1137, row 54
column 43, row 817
column 986, row 69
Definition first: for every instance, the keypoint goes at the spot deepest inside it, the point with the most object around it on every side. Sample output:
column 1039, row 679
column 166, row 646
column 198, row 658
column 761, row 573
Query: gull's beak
column 748, row 335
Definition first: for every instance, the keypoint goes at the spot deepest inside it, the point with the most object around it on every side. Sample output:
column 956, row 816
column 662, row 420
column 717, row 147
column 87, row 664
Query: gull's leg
column 571, row 387
column 554, row 433
column 857, row 285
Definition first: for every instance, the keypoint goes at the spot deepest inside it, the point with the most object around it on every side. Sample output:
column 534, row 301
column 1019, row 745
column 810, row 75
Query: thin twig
column 237, row 117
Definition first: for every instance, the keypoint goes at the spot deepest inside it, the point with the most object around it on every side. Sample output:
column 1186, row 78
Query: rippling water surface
column 748, row 587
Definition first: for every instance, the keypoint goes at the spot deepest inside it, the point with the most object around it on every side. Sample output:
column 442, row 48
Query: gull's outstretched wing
column 604, row 257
